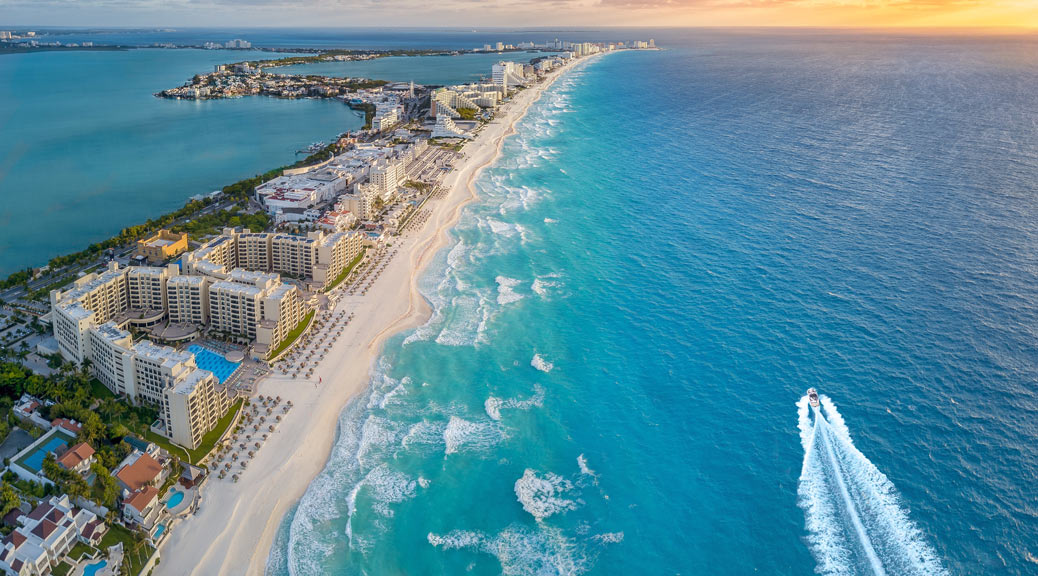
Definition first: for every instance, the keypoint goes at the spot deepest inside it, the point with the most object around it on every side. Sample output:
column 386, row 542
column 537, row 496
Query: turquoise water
column 173, row 502
column 87, row 149
column 34, row 461
column 213, row 362
column 91, row 569
column 160, row 531
column 420, row 69
column 673, row 247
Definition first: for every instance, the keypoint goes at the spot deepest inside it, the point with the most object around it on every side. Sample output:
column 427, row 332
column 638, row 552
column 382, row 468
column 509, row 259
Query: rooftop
column 76, row 311
column 164, row 355
column 140, row 499
column 109, row 331
column 75, row 455
column 191, row 381
column 236, row 287
column 147, row 271
column 140, row 472
column 191, row 280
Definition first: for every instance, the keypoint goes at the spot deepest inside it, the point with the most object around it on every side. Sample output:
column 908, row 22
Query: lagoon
column 442, row 70
column 88, row 150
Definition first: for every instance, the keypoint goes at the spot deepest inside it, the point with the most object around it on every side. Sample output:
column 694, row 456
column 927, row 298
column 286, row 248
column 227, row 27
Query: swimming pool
column 91, row 569
column 213, row 362
column 34, row 461
column 174, row 501
column 159, row 531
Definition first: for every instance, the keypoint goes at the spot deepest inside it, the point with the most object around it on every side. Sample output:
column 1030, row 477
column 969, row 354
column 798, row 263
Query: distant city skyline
column 508, row 13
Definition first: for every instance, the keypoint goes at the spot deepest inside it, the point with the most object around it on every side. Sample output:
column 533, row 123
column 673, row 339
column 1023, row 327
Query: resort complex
column 166, row 339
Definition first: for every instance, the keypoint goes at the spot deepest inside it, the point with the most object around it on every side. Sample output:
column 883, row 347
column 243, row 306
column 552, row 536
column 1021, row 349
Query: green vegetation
column 135, row 545
column 293, row 335
column 468, row 113
column 106, row 420
column 99, row 390
column 209, row 224
column 167, row 445
column 62, row 569
column 105, row 489
column 328, row 56
column 419, row 186
column 7, row 419
column 80, row 550
column 68, row 481
column 130, row 234
column 19, row 277
column 45, row 291
column 205, row 446
column 369, row 112
column 9, row 499
column 346, row 271
column 35, row 489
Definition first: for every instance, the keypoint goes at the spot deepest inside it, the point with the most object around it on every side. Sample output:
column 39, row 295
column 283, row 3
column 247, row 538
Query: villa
column 142, row 507
column 139, row 470
column 46, row 535
column 77, row 458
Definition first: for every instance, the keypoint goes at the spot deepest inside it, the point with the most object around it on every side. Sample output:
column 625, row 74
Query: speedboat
column 812, row 397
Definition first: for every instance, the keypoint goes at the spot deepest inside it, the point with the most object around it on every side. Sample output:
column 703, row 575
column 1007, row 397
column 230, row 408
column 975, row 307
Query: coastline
column 236, row 524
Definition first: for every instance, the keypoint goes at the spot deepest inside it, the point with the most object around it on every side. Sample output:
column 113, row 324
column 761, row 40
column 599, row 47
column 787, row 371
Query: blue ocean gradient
column 673, row 247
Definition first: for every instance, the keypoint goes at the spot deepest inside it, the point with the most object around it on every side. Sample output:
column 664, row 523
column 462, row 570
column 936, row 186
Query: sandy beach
column 235, row 526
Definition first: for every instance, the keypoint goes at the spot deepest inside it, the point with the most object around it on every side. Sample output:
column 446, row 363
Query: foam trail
column 852, row 511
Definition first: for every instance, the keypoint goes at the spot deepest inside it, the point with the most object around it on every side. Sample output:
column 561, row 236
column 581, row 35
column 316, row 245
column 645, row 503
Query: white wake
column 855, row 521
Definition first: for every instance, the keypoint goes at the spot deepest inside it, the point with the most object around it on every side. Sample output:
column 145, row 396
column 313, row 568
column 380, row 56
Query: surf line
column 821, row 427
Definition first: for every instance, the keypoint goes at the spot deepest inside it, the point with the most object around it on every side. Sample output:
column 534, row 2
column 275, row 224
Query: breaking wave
column 506, row 293
column 542, row 496
column 522, row 551
column 493, row 405
column 461, row 434
column 541, row 364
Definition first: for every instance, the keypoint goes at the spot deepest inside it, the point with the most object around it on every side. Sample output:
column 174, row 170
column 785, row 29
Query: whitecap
column 609, row 537
column 522, row 551
column 387, row 486
column 461, row 434
column 584, row 469
column 541, row 364
column 542, row 496
column 506, row 293
column 493, row 405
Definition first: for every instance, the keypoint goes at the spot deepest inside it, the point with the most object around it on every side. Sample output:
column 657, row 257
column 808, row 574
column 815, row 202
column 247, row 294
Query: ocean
column 672, row 248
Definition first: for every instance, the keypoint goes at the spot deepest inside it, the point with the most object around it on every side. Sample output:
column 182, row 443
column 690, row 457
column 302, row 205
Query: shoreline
column 236, row 524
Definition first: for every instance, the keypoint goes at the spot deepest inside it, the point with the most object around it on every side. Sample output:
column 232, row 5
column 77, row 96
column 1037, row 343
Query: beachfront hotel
column 189, row 399
column 316, row 259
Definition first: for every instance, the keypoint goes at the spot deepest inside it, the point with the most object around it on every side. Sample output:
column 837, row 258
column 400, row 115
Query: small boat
column 812, row 397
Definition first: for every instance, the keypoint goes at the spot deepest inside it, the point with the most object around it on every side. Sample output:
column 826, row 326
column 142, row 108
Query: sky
column 516, row 13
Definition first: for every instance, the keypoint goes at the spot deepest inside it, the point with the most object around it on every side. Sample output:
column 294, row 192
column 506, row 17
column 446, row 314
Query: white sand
column 235, row 527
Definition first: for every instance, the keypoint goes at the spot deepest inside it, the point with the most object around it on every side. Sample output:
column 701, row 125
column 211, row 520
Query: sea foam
column 541, row 364
column 542, row 496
